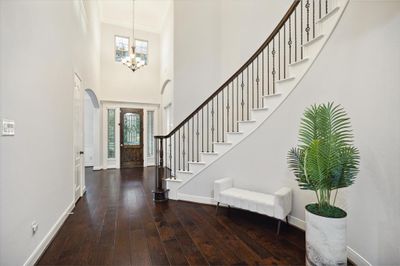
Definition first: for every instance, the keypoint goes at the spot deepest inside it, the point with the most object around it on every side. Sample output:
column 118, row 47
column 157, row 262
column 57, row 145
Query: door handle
column 81, row 153
column 121, row 145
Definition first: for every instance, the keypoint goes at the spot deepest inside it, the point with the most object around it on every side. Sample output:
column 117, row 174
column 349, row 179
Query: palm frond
column 325, row 158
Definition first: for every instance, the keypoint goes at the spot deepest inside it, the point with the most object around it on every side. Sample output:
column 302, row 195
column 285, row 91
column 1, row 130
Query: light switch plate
column 8, row 127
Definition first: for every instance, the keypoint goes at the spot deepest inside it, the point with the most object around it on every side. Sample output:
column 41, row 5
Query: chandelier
column 132, row 61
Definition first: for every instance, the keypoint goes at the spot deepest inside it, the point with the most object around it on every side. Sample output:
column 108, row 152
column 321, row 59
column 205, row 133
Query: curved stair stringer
column 297, row 70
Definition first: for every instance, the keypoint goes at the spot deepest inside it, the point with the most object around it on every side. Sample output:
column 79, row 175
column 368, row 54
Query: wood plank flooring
column 117, row 223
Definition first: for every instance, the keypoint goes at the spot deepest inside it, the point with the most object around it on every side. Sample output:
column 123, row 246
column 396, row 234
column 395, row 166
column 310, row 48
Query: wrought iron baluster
column 295, row 35
column 242, row 103
column 188, row 144
column 197, row 134
column 252, row 84
column 290, row 40
column 223, row 115
column 319, row 9
column 212, row 125
column 326, row 7
column 217, row 117
column 308, row 20
column 258, row 84
column 208, row 129
column 273, row 66
column 237, row 103
column 202, row 129
column 268, row 80
column 248, row 103
column 227, row 108
column 183, row 148
column 262, row 76
column 284, row 51
column 279, row 55
column 313, row 18
column 192, row 140
column 170, row 157
column 175, row 155
column 179, row 149
column 301, row 30
column 233, row 107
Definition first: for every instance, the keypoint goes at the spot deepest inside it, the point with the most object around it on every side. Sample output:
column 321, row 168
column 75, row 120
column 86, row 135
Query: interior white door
column 78, row 139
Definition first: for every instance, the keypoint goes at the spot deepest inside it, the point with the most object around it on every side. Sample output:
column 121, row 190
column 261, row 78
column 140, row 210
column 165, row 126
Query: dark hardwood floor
column 117, row 223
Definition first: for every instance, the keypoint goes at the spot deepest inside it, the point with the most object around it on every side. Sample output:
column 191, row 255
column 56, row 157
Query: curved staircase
column 249, row 97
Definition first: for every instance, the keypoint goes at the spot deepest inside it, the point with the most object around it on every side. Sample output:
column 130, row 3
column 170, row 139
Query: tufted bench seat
column 277, row 205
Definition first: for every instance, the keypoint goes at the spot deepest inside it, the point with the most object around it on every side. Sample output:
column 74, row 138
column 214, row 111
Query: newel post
column 160, row 194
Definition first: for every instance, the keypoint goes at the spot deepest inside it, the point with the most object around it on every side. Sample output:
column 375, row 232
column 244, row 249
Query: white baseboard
column 351, row 253
column 198, row 199
column 297, row 222
column 356, row 258
column 48, row 237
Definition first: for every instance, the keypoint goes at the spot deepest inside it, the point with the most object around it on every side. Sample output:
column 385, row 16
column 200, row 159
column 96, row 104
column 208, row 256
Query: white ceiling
column 149, row 14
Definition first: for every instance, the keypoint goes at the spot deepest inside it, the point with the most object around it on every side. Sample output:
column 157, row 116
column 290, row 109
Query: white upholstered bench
column 277, row 205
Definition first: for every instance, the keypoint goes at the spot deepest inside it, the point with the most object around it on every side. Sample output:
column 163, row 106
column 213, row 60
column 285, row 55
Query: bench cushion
column 249, row 200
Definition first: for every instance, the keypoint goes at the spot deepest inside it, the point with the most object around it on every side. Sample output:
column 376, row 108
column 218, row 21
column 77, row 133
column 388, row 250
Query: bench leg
column 287, row 219
column 279, row 227
column 216, row 210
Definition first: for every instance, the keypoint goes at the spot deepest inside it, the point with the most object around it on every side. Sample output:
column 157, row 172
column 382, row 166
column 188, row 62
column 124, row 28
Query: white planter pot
column 325, row 240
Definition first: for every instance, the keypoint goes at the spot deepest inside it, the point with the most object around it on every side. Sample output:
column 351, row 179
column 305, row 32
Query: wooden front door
column 131, row 128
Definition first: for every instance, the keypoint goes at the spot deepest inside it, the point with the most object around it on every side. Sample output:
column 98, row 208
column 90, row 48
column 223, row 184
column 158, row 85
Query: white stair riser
column 221, row 147
column 259, row 115
column 271, row 102
column 285, row 86
column 247, row 127
column 234, row 137
column 183, row 176
column 193, row 167
column 208, row 158
column 296, row 69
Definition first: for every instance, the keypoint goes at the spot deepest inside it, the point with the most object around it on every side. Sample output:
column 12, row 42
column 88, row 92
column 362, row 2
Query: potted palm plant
column 325, row 161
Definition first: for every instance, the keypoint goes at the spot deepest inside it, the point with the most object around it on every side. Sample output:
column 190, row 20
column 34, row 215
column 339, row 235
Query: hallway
column 116, row 223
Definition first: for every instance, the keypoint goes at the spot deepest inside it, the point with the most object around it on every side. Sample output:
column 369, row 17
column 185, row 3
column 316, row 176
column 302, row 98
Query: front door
column 78, row 139
column 131, row 128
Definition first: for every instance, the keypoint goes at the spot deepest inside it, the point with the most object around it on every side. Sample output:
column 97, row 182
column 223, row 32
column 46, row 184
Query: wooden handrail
column 236, row 74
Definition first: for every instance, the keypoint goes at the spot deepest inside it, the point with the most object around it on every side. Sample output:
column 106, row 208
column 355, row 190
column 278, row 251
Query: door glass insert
column 131, row 129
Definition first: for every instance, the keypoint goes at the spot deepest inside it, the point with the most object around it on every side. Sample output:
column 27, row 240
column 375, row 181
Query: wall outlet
column 35, row 227
column 7, row 127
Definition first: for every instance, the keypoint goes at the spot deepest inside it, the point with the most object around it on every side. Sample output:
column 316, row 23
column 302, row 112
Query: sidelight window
column 111, row 133
column 150, row 133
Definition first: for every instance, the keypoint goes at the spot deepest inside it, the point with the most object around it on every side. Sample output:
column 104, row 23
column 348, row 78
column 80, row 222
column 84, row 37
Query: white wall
column 119, row 83
column 359, row 68
column 245, row 25
column 196, row 54
column 167, row 64
column 42, row 44
column 213, row 39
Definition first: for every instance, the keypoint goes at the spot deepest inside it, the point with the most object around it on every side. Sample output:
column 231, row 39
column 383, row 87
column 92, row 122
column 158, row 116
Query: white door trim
column 109, row 164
